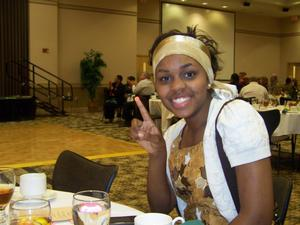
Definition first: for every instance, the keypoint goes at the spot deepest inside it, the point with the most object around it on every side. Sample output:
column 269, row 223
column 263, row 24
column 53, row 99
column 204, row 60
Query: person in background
column 128, row 107
column 290, row 89
column 264, row 82
column 115, row 99
column 145, row 86
column 235, row 80
column 129, row 86
column 275, row 88
column 254, row 89
column 184, row 168
column 243, row 79
column 144, row 89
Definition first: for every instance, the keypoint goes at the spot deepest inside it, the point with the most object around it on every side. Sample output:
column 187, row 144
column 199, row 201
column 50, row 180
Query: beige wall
column 257, row 55
column 257, row 45
column 43, row 34
column 148, row 28
column 257, row 24
column 112, row 34
column 289, row 43
column 266, row 45
column 68, row 28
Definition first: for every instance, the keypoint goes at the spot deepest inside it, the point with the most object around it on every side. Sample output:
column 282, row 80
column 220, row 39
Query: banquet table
column 289, row 121
column 289, row 125
column 61, row 203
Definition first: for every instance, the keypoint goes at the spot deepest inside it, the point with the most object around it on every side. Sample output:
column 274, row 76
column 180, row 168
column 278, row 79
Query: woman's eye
column 165, row 78
column 189, row 75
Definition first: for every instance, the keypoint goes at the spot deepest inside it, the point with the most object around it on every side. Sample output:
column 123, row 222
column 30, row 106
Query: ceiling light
column 224, row 6
column 204, row 3
column 183, row 0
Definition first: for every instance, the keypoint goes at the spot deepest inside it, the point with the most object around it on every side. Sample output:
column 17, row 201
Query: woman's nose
column 178, row 84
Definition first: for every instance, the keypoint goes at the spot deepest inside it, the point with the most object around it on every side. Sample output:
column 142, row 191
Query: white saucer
column 49, row 195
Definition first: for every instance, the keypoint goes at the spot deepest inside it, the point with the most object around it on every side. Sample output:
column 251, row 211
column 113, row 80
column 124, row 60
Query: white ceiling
column 272, row 8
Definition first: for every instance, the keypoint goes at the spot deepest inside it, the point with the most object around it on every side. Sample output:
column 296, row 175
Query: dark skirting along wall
column 13, row 43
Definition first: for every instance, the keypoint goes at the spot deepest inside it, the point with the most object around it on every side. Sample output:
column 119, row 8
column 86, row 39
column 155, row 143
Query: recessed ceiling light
column 183, row 0
column 224, row 6
column 204, row 3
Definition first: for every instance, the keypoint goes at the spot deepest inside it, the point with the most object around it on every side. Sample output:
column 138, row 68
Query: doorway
column 294, row 71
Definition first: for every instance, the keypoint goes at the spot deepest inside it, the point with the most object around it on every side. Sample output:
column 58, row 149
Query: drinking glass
column 91, row 207
column 30, row 212
column 7, row 186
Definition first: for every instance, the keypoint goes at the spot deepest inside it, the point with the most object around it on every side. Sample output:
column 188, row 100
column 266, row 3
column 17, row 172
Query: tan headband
column 185, row 45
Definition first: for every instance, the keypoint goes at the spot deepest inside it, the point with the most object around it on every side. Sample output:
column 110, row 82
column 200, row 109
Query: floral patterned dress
column 189, row 180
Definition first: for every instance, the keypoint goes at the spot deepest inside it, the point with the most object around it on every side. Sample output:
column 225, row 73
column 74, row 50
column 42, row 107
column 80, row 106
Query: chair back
column 282, row 188
column 271, row 119
column 73, row 173
column 246, row 99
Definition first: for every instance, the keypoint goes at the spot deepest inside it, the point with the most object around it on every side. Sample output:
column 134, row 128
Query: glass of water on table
column 30, row 212
column 91, row 207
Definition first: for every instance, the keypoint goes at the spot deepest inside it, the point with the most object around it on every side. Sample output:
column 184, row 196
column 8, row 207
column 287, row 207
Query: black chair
column 271, row 119
column 284, row 100
column 73, row 173
column 282, row 188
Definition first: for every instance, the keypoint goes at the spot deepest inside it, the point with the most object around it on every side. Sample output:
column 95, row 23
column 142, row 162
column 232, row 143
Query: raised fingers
column 143, row 110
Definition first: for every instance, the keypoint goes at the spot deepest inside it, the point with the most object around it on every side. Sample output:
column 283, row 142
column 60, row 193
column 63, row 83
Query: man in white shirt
column 254, row 89
column 145, row 86
column 144, row 89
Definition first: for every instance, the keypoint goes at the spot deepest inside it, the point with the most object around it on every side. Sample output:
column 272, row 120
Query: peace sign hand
column 145, row 132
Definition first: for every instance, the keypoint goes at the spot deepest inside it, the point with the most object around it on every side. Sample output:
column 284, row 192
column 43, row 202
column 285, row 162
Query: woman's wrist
column 160, row 154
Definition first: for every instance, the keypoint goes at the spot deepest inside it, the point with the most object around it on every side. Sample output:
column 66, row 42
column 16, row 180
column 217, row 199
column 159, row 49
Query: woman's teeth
column 180, row 100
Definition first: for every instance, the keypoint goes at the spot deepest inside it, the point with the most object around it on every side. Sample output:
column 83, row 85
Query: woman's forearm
column 160, row 195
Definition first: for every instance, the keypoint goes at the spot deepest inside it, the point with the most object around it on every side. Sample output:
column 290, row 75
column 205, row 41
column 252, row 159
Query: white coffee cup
column 33, row 185
column 156, row 218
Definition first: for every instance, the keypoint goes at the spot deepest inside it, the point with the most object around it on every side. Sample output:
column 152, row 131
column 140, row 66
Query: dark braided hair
column 211, row 44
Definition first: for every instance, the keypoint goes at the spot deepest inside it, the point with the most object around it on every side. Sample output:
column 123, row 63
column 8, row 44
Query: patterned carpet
column 129, row 186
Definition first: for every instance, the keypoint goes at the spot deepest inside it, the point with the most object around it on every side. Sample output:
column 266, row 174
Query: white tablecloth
column 64, row 199
column 157, row 109
column 289, row 122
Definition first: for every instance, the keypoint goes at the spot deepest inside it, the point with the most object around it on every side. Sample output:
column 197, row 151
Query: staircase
column 49, row 91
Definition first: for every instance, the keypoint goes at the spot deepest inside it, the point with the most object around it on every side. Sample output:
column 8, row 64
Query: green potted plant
column 91, row 76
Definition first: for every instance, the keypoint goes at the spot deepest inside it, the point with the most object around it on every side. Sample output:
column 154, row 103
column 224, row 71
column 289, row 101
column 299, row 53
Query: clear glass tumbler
column 91, row 207
column 30, row 212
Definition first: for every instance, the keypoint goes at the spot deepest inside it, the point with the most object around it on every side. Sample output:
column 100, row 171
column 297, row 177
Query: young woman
column 184, row 166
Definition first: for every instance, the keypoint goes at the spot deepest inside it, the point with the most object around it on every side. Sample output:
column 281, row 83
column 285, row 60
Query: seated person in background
column 274, row 88
column 128, row 107
column 115, row 99
column 235, row 80
column 254, row 89
column 129, row 86
column 144, row 89
column 243, row 79
column 290, row 89
column 264, row 82
column 145, row 86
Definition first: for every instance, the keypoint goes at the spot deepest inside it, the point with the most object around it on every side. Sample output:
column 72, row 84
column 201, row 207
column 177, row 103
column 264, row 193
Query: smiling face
column 182, row 84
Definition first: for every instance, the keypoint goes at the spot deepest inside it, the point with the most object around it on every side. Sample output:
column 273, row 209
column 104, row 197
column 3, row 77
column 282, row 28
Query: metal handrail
column 35, row 71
